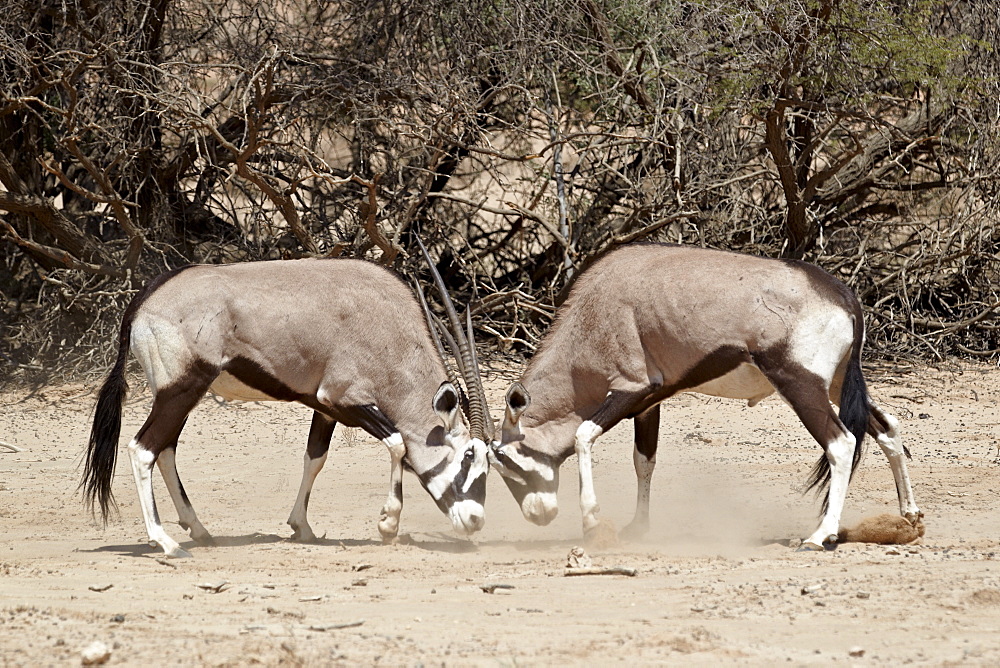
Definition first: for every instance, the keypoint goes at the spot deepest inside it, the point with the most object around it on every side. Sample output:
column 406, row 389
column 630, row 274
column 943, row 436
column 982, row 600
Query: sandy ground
column 717, row 582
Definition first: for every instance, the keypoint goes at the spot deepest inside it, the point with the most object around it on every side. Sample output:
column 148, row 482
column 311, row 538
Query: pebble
column 95, row 653
column 856, row 651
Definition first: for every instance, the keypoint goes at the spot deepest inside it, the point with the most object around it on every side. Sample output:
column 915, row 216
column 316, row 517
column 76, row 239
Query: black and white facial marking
column 458, row 482
column 531, row 476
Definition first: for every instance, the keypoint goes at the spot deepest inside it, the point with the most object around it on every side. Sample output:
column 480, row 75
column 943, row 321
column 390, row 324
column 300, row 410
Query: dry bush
column 522, row 139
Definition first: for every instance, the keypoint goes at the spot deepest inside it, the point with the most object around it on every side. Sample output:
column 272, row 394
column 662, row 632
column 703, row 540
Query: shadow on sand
column 436, row 542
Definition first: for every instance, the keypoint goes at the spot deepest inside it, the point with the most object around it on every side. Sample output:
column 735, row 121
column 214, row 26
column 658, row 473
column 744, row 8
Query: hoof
column 634, row 531
column 388, row 526
column 601, row 535
column 303, row 536
column 206, row 539
column 177, row 553
column 810, row 547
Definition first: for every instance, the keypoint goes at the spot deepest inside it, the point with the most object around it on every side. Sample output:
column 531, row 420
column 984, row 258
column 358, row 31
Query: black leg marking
column 180, row 488
column 619, row 405
column 367, row 417
column 320, row 433
column 647, row 428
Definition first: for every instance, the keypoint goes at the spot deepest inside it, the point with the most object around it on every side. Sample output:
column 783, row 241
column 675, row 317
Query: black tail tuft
column 102, row 448
column 854, row 414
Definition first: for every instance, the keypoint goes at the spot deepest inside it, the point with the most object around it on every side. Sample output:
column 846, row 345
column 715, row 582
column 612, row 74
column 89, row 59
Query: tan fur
column 323, row 327
column 651, row 320
column 884, row 529
column 629, row 319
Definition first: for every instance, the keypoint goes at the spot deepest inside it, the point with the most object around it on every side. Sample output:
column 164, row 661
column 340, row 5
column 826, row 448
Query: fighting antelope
column 648, row 321
column 344, row 337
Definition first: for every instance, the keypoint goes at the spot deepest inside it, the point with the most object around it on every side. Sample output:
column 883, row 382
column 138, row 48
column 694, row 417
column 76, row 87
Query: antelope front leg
column 388, row 524
column 647, row 426
column 615, row 407
column 586, row 435
column 374, row 421
column 301, row 531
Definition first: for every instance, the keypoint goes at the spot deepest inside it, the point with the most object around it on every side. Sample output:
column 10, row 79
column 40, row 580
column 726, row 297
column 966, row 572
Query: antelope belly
column 743, row 382
column 230, row 388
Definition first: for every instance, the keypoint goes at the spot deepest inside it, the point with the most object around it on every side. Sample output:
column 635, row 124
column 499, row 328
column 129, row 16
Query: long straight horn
column 433, row 323
column 491, row 429
column 478, row 416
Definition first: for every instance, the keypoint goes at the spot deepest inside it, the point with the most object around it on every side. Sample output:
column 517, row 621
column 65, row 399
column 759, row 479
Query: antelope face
column 531, row 475
column 458, row 482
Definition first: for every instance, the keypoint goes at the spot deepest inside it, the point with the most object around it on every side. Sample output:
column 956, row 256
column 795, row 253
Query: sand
column 718, row 581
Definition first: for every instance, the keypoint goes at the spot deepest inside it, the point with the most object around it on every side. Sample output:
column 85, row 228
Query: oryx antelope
column 346, row 338
column 648, row 321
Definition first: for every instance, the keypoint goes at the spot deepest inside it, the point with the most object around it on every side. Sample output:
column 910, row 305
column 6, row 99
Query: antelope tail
column 102, row 448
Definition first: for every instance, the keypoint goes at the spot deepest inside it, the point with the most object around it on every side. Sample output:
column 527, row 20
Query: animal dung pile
column 884, row 529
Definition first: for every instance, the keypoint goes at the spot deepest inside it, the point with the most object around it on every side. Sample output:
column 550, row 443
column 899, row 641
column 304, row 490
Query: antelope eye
column 470, row 453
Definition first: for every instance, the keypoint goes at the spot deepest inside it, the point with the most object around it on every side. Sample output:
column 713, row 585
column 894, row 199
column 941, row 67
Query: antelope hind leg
column 884, row 428
column 647, row 426
column 186, row 515
column 142, row 467
column 320, row 433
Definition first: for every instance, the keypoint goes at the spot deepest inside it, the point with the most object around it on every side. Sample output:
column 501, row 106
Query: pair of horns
column 463, row 349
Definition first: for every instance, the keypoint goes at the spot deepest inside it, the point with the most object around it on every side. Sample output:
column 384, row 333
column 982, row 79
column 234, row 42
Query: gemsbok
column 651, row 320
column 344, row 337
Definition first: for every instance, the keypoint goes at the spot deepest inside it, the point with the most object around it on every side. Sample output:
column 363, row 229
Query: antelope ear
column 446, row 405
column 518, row 401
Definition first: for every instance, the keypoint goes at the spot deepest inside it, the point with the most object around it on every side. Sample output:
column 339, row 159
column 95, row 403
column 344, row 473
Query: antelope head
column 459, row 488
column 531, row 475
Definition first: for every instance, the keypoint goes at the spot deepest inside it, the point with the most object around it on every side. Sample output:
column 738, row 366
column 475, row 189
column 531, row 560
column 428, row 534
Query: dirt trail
column 716, row 580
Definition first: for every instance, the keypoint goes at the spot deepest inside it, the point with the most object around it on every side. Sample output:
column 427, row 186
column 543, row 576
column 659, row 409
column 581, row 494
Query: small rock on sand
column 95, row 653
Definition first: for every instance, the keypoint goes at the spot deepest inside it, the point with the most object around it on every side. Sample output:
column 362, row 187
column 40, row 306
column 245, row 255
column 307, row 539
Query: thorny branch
column 862, row 137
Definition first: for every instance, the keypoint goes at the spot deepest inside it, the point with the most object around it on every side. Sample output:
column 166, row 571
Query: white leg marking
column 301, row 531
column 185, row 511
column 142, row 468
column 388, row 524
column 892, row 447
column 644, row 476
column 840, row 453
column 586, row 434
